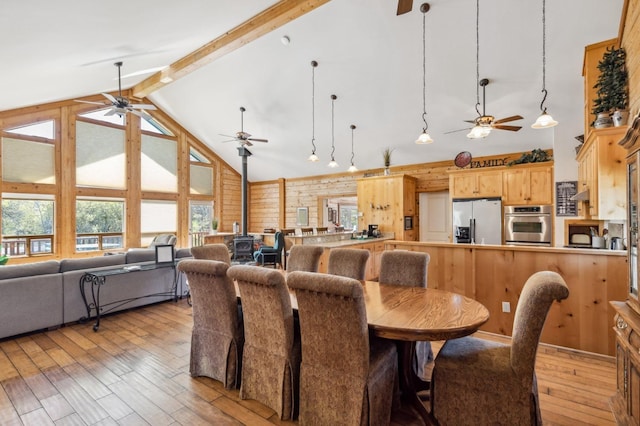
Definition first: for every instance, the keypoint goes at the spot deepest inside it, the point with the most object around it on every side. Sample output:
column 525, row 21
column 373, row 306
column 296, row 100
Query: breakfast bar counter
column 495, row 274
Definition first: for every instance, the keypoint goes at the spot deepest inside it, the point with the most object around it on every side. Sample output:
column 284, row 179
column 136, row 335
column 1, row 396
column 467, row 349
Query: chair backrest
column 343, row 347
column 537, row 295
column 304, row 258
column 346, row 262
column 163, row 239
column 215, row 313
column 279, row 241
column 218, row 252
column 402, row 267
column 269, row 338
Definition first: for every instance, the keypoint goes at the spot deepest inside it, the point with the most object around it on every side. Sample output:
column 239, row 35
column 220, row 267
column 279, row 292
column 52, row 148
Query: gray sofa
column 42, row 295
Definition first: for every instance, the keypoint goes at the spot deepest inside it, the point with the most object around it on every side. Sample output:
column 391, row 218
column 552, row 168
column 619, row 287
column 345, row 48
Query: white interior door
column 435, row 216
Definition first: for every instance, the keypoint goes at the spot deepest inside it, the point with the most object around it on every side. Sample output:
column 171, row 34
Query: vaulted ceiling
column 369, row 57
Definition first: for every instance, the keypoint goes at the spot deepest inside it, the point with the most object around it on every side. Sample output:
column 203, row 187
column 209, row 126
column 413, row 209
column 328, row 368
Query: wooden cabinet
column 528, row 184
column 601, row 171
column 475, row 184
column 389, row 202
column 625, row 404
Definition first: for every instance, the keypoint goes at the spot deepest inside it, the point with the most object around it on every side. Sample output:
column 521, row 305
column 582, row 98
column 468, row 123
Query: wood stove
column 243, row 248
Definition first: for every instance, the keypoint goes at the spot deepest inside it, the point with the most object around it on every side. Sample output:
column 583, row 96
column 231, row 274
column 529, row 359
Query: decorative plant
column 612, row 84
column 386, row 156
column 214, row 224
column 535, row 156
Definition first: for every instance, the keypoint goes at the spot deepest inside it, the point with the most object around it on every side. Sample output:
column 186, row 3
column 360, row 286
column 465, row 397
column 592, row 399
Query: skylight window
column 44, row 129
column 150, row 124
column 196, row 157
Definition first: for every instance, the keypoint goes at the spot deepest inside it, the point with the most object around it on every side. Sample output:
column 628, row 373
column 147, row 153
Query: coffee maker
column 373, row 231
column 463, row 234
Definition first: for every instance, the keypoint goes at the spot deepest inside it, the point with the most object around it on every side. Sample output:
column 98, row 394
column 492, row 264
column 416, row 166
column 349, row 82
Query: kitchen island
column 495, row 274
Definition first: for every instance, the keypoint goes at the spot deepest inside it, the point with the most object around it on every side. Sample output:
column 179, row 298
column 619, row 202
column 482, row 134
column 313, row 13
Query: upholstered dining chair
column 304, row 258
column 271, row 354
column 163, row 239
column 219, row 252
column 347, row 375
column 409, row 268
column 217, row 337
column 348, row 262
column 478, row 381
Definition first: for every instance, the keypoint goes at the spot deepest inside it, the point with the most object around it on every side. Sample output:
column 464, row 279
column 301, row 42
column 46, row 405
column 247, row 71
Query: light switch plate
column 506, row 307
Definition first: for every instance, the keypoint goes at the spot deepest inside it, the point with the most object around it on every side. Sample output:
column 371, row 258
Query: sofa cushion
column 91, row 262
column 141, row 255
column 29, row 269
column 183, row 252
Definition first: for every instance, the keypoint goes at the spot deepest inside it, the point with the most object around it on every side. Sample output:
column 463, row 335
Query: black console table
column 99, row 278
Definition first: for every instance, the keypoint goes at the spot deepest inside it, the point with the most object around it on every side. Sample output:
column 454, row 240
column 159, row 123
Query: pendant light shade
column 352, row 168
column 333, row 163
column 424, row 138
column 544, row 120
column 479, row 132
column 313, row 157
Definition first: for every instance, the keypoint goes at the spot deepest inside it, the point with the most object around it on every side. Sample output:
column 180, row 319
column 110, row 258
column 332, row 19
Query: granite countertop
column 559, row 250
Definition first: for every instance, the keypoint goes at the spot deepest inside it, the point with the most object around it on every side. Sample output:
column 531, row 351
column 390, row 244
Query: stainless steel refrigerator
column 477, row 221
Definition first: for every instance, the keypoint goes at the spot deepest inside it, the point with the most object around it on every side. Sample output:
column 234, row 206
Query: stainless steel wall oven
column 528, row 225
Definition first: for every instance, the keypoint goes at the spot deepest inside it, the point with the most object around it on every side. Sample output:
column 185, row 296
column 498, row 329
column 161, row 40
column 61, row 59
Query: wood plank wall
column 266, row 197
column 630, row 40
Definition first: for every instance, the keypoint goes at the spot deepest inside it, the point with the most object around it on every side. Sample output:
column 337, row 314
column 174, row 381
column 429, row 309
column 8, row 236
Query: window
column 99, row 224
column 27, row 225
column 348, row 216
column 43, row 129
column 201, row 180
column 100, row 156
column 159, row 164
column 157, row 217
column 200, row 217
column 28, row 161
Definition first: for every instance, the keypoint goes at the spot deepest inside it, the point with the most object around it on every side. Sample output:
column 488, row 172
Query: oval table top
column 416, row 313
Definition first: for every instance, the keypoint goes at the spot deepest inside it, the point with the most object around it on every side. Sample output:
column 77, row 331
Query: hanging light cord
column 313, row 106
column 333, row 146
column 352, row 154
column 478, row 57
column 424, row 74
column 544, row 56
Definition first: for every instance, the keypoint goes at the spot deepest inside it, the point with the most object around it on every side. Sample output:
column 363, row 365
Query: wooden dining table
column 410, row 314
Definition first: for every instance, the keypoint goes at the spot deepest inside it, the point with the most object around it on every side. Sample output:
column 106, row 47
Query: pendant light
column 313, row 157
column 352, row 167
column 424, row 138
column 544, row 120
column 333, row 163
column 478, row 131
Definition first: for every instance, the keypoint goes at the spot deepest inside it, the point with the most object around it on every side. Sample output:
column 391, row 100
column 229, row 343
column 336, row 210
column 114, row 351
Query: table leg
column 408, row 380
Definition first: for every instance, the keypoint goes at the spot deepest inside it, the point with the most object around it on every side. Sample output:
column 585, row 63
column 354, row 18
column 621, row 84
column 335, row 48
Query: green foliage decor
column 386, row 156
column 612, row 83
column 536, row 156
column 214, row 224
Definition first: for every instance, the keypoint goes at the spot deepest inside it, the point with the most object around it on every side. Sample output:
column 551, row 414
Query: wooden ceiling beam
column 263, row 23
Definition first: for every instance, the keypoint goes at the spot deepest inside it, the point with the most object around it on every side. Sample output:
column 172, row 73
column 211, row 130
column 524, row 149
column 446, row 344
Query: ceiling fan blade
column 143, row 106
column 229, row 140
column 111, row 111
column 507, row 119
column 257, row 140
column 503, row 127
column 228, row 136
column 110, row 97
column 404, row 6
column 91, row 102
column 246, row 143
column 470, row 121
column 456, row 131
column 138, row 113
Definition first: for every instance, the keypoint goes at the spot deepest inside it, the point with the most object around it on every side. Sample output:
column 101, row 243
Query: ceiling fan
column 483, row 124
column 119, row 104
column 243, row 138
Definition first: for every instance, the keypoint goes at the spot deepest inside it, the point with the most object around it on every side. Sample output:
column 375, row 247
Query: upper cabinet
column 528, row 184
column 521, row 184
column 601, row 172
column 389, row 202
column 470, row 183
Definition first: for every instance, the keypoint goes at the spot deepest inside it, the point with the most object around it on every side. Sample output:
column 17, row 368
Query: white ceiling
column 369, row 57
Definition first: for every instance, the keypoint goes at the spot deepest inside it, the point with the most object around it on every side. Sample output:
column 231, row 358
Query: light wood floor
column 135, row 371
